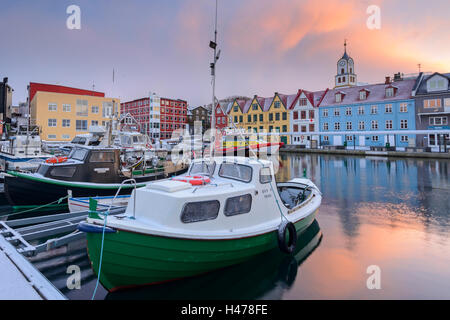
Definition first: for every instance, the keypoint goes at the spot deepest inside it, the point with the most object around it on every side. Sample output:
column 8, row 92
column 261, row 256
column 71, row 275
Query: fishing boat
column 87, row 171
column 267, row 276
column 223, row 212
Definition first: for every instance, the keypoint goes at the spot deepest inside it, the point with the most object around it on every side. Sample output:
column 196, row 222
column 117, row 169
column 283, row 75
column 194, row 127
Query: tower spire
column 345, row 45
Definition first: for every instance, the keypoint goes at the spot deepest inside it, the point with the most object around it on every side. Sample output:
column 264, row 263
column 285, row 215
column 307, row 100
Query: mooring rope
column 36, row 208
column 101, row 255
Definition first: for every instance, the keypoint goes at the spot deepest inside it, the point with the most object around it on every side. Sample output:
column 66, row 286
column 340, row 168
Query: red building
column 167, row 115
column 221, row 118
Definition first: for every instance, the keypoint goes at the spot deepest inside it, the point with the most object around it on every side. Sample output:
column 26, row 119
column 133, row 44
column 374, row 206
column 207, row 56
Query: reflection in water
column 394, row 213
column 267, row 276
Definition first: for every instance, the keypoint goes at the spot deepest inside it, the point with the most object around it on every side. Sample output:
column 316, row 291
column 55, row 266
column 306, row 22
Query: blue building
column 368, row 115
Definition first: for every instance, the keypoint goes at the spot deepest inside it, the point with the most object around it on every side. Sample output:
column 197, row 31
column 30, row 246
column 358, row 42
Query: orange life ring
column 56, row 160
column 194, row 180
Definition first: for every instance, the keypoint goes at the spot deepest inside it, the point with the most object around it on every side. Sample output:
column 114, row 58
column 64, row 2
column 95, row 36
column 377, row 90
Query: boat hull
column 133, row 259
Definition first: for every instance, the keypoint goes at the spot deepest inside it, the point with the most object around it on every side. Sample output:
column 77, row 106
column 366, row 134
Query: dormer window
column 338, row 97
column 389, row 92
column 362, row 95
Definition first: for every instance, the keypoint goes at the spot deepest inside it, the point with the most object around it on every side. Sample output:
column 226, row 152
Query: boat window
column 125, row 140
column 101, row 156
column 265, row 176
column 79, row 140
column 200, row 211
column 78, row 154
column 63, row 171
column 204, row 167
column 238, row 205
column 236, row 171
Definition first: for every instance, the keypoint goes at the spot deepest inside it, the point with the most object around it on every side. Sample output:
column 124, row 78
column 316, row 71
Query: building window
column 403, row 107
column 361, row 110
column 82, row 108
column 261, row 117
column 284, row 115
column 52, row 107
column 312, row 128
column 66, row 123
column 326, row 138
column 255, row 118
column 52, row 123
column 107, row 109
column 361, row 125
column 235, row 108
column 432, row 103
column 388, row 108
column 388, row 124
column 303, row 102
column 447, row 102
column 270, row 116
column 338, row 97
column 303, row 128
column 374, row 125
column 67, row 108
column 438, row 121
column 348, row 111
column 255, row 107
column 349, row 138
column 375, row 138
column 337, row 126
column 373, row 110
column 389, row 92
column 403, row 124
column 284, row 128
column 325, row 112
column 362, row 95
column 95, row 109
column 94, row 123
column 325, row 126
column 277, row 104
column 66, row 136
column 404, row 138
column 51, row 136
column 349, row 126
column 277, row 116
column 295, row 127
column 336, row 112
column 295, row 115
column 249, row 118
column 81, row 125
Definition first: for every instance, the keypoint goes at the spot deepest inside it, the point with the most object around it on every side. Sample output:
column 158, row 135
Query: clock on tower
column 345, row 76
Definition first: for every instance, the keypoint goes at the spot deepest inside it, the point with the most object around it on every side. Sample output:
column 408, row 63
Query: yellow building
column 63, row 112
column 262, row 115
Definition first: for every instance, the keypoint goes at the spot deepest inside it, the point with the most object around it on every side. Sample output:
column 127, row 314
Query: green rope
column 36, row 208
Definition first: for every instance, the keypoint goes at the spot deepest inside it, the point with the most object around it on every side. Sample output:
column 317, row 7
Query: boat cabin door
column 103, row 166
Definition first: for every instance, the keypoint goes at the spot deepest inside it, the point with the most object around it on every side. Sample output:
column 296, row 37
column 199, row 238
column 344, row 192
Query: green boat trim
column 140, row 173
column 133, row 259
column 87, row 185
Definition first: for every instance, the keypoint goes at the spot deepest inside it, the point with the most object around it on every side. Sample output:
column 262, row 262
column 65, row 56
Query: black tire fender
column 291, row 244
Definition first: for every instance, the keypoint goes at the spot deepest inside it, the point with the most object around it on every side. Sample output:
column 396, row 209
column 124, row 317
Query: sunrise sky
column 267, row 46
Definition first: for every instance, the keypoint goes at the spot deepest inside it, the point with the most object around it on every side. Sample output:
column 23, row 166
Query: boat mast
column 213, row 45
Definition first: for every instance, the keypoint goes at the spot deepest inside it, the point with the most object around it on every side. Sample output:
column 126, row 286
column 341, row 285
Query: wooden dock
column 20, row 280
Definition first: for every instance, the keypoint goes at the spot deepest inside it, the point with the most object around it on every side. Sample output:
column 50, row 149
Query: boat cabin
column 85, row 163
column 223, row 196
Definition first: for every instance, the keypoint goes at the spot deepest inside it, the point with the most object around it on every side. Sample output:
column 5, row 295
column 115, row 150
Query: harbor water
column 384, row 214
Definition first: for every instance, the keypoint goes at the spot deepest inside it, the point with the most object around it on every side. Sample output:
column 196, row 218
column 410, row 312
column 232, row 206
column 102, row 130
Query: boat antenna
column 213, row 45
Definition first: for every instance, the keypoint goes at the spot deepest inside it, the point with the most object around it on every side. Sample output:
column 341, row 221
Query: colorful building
column 158, row 116
column 262, row 115
column 369, row 109
column 432, row 100
column 221, row 116
column 63, row 112
column 304, row 115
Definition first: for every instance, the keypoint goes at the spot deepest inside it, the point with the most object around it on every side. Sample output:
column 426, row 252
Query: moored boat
column 87, row 171
column 175, row 228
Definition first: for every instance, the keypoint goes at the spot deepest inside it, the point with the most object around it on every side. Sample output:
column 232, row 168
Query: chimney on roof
column 388, row 80
column 398, row 77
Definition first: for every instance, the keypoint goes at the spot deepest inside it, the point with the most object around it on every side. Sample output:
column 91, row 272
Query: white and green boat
column 223, row 212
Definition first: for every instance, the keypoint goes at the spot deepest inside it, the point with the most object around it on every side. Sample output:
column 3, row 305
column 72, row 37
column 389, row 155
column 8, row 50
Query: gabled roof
column 377, row 93
column 313, row 97
column 422, row 87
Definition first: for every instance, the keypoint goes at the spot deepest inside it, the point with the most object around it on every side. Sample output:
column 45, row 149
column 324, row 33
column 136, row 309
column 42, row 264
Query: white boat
column 103, row 203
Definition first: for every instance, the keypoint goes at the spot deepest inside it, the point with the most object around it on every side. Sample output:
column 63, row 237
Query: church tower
column 345, row 76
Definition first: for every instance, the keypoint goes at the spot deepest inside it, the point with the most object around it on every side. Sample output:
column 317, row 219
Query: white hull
column 103, row 203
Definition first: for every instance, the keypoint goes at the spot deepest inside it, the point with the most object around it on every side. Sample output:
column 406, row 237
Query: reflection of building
column 432, row 99
column 63, row 112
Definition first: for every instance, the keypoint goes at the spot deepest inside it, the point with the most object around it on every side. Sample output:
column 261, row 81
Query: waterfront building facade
column 157, row 116
column 63, row 112
column 200, row 115
column 369, row 109
column 304, row 117
column 432, row 100
column 221, row 116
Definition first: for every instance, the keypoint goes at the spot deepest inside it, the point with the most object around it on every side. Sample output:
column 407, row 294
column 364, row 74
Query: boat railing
column 118, row 191
column 213, row 185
